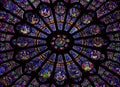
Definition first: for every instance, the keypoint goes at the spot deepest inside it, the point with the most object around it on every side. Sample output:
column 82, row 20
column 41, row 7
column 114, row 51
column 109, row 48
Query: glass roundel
column 59, row 43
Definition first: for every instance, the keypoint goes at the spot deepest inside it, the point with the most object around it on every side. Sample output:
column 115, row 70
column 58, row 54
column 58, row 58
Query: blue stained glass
column 73, row 30
column 59, row 43
column 67, row 58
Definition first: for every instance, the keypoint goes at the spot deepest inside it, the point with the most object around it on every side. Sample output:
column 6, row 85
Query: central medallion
column 60, row 42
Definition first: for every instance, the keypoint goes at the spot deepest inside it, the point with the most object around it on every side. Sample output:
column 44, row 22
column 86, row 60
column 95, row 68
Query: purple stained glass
column 59, row 43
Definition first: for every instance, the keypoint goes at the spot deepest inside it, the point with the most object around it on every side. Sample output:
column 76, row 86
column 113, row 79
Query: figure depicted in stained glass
column 95, row 29
column 75, row 11
column 45, row 74
column 114, row 81
column 95, row 55
column 24, row 55
column 74, row 72
column 25, row 29
column 34, row 19
column 45, row 11
column 21, row 42
column 60, row 9
column 60, row 76
column 87, row 66
column 98, row 42
column 86, row 19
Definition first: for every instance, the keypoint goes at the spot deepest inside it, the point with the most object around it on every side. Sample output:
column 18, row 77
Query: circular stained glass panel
column 59, row 43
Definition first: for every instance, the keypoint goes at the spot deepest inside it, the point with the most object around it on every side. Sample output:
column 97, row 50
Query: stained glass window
column 59, row 43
